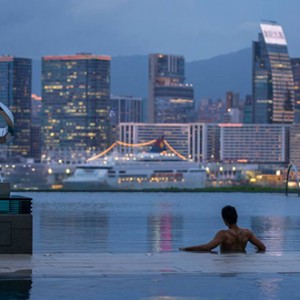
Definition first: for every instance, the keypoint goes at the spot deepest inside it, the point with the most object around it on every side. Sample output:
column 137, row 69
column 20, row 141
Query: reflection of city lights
column 270, row 287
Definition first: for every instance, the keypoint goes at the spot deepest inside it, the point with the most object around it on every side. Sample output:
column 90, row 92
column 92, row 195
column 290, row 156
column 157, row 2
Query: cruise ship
column 147, row 170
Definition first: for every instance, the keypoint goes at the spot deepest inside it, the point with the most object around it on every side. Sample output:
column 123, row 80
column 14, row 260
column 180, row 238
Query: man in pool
column 234, row 239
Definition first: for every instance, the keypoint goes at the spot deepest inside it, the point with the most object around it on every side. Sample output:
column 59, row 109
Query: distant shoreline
column 245, row 189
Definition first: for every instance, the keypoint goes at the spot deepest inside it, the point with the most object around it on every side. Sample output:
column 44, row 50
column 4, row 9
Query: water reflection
column 143, row 222
column 269, row 287
column 280, row 233
column 151, row 222
column 15, row 289
column 163, row 230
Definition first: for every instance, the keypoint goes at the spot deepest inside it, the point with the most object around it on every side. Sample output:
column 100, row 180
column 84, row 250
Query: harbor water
column 149, row 223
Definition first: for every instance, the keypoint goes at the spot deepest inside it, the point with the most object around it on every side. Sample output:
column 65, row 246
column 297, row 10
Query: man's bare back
column 234, row 239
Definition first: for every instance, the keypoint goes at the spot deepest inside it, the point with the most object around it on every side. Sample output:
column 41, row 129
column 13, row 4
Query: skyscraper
column 170, row 100
column 15, row 92
column 272, row 82
column 75, row 92
column 36, row 104
column 296, row 73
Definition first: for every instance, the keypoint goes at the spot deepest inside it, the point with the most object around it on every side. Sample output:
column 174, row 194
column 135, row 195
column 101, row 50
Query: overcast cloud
column 197, row 29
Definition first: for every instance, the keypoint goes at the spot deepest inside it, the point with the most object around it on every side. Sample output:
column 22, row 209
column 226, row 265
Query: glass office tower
column 170, row 99
column 273, row 85
column 296, row 73
column 15, row 93
column 75, row 92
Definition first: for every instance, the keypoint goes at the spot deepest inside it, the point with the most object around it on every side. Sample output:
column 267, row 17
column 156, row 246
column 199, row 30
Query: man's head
column 229, row 215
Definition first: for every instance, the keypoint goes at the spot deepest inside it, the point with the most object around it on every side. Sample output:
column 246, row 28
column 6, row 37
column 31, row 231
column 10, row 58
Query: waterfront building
column 75, row 114
column 296, row 73
column 216, row 142
column 295, row 145
column 254, row 143
column 170, row 99
column 272, row 78
column 124, row 109
column 177, row 135
column 15, row 93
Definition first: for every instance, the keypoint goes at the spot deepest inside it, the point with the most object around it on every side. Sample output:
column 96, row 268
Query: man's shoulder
column 246, row 230
column 222, row 232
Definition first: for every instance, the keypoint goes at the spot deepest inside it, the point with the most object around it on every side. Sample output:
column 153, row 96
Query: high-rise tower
column 272, row 82
column 15, row 92
column 170, row 100
column 296, row 73
column 75, row 92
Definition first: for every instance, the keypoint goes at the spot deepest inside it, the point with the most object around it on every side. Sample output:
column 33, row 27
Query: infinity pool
column 145, row 223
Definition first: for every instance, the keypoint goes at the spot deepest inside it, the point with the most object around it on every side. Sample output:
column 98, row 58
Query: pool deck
column 104, row 264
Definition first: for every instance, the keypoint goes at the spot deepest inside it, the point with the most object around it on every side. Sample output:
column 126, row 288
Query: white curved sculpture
column 6, row 114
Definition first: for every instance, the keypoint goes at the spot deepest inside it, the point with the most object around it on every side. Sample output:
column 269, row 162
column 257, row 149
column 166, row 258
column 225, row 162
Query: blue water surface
column 156, row 222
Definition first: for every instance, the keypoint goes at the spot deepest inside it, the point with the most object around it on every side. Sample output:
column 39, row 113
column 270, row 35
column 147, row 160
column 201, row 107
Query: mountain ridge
column 211, row 78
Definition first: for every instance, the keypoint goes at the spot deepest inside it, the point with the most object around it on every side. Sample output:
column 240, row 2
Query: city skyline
column 130, row 27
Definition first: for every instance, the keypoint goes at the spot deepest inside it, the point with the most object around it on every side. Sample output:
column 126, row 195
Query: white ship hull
column 138, row 174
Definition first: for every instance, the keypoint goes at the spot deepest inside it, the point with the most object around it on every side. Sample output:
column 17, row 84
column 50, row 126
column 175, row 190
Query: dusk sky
column 197, row 29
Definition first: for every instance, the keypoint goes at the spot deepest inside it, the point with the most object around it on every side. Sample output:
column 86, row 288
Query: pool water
column 154, row 223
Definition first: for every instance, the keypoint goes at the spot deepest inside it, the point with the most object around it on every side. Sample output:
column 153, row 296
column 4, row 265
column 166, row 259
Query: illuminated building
column 170, row 99
column 75, row 92
column 295, row 145
column 272, row 81
column 254, row 143
column 202, row 142
column 296, row 73
column 197, row 141
column 15, row 92
column 176, row 134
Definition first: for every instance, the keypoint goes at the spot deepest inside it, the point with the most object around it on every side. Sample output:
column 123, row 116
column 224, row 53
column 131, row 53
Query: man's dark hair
column 229, row 214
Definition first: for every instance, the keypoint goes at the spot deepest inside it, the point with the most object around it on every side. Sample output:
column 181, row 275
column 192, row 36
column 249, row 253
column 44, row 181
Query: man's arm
column 256, row 242
column 216, row 241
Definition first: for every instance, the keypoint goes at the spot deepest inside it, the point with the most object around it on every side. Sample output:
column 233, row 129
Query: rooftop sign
column 273, row 34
